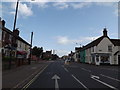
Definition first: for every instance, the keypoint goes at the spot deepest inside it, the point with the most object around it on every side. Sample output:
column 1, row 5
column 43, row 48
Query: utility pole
column 16, row 15
column 13, row 35
column 29, row 62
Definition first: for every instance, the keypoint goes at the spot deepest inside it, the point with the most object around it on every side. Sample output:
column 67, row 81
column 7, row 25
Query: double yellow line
column 31, row 81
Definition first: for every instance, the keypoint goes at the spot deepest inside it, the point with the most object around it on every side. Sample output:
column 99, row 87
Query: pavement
column 58, row 75
column 18, row 77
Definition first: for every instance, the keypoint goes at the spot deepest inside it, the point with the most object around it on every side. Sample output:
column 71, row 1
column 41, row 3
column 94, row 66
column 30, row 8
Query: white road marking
column 80, row 82
column 110, row 77
column 66, row 70
column 25, row 79
column 56, row 81
column 103, row 82
column 110, row 69
column 85, row 70
column 94, row 76
column 31, row 81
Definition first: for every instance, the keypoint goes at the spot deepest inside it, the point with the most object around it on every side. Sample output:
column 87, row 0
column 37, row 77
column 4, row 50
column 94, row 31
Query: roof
column 19, row 38
column 48, row 52
column 116, row 42
column 77, row 49
column 93, row 43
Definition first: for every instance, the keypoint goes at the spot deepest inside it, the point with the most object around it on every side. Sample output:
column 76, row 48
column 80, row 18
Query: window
column 110, row 48
column 92, row 49
column 9, row 38
column 20, row 44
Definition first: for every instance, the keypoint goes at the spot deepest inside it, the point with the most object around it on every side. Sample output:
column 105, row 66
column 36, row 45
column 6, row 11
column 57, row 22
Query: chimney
column 16, row 32
column 105, row 32
column 3, row 23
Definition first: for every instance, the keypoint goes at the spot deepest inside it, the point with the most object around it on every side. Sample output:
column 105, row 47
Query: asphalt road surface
column 57, row 75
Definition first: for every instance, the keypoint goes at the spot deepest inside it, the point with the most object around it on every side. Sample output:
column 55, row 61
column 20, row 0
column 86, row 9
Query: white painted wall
column 102, row 47
column 22, row 46
column 74, row 57
column 116, row 48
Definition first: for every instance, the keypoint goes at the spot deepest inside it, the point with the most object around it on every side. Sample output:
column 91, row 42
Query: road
column 76, row 75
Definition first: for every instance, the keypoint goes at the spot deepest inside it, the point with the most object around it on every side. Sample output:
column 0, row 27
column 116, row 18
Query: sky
column 62, row 26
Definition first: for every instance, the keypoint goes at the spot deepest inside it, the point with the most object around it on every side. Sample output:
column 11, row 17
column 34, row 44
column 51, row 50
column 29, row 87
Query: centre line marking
column 80, row 82
column 31, row 81
column 66, row 70
column 85, row 70
column 110, row 77
column 110, row 69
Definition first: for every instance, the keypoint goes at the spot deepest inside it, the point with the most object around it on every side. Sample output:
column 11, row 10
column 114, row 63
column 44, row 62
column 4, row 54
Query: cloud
column 23, row 9
column 0, row 9
column 64, row 40
column 40, row 3
column 59, row 52
column 62, row 52
column 63, row 0
column 61, row 5
column 101, row 0
column 80, row 5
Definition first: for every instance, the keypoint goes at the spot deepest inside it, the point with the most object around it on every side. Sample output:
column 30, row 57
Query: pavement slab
column 18, row 77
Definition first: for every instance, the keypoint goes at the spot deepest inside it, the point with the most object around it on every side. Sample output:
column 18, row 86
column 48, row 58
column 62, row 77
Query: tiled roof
column 78, row 48
column 93, row 43
column 116, row 42
column 19, row 38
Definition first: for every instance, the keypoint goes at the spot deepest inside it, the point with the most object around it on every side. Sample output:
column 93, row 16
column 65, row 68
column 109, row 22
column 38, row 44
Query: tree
column 37, row 51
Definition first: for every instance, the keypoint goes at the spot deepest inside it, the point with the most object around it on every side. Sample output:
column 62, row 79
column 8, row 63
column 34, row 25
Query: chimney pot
column 3, row 23
column 16, row 32
column 105, row 32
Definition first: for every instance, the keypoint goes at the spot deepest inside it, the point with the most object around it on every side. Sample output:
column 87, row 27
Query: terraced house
column 13, row 46
column 103, row 50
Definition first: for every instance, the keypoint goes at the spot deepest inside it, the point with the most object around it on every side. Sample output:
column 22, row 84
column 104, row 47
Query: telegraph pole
column 29, row 62
column 13, row 35
column 16, row 15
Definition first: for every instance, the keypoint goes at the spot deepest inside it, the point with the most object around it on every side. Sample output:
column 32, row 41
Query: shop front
column 21, row 57
column 101, row 58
